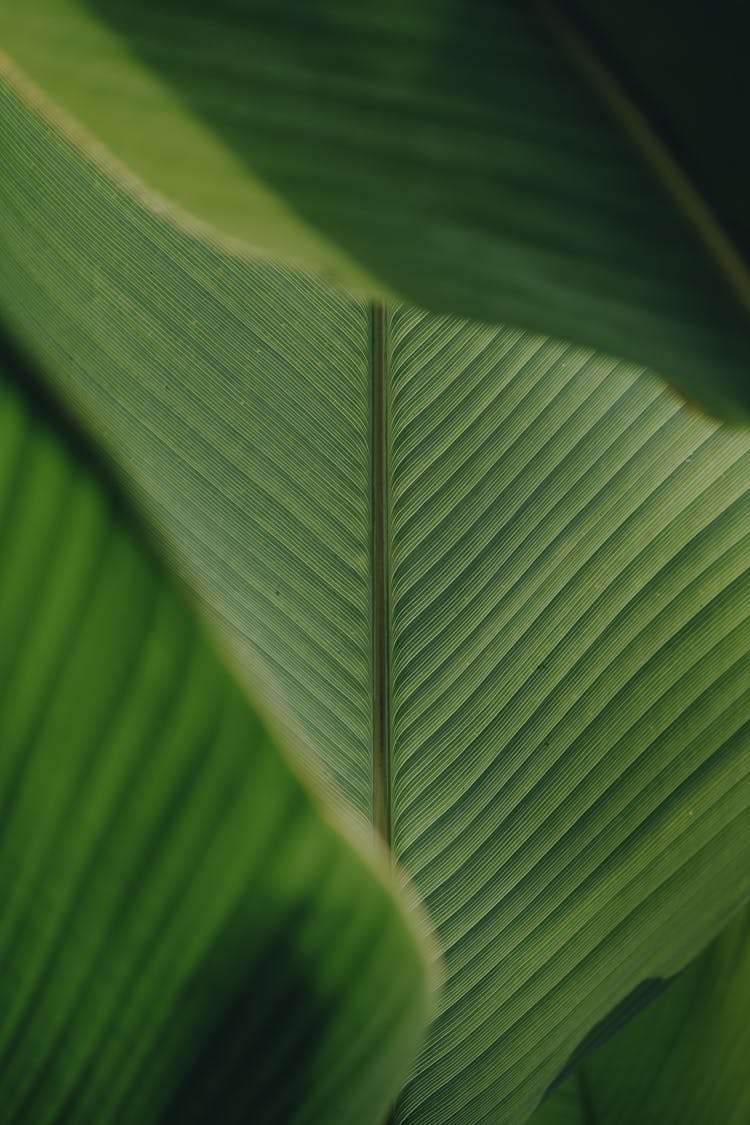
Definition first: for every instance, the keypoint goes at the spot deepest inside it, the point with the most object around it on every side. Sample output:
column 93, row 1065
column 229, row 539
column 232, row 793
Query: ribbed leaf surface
column 502, row 583
column 238, row 398
column 570, row 600
column 681, row 1062
column 573, row 168
column 183, row 936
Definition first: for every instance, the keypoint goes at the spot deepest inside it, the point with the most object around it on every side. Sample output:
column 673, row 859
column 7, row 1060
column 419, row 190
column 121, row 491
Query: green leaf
column 570, row 168
column 184, row 937
column 683, row 1061
column 501, row 582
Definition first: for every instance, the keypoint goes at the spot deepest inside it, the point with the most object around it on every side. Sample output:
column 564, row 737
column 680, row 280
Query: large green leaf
column 681, row 1062
column 184, row 937
column 576, row 169
column 502, row 583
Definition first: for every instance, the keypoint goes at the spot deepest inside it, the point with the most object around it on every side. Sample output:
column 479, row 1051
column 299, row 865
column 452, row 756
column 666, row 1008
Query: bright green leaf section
column 183, row 936
column 560, row 647
column 96, row 76
column 549, row 165
column 681, row 1062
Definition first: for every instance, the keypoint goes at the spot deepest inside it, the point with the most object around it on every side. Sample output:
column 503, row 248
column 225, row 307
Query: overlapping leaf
column 572, row 168
column 564, row 570
column 183, row 936
column 681, row 1062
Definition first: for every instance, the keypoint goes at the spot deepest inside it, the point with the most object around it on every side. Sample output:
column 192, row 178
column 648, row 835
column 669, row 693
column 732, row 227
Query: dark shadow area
column 248, row 1016
column 372, row 119
column 643, row 994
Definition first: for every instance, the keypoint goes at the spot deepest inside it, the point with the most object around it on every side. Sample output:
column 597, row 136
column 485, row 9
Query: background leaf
column 564, row 631
column 682, row 1061
column 549, row 164
column 183, row 937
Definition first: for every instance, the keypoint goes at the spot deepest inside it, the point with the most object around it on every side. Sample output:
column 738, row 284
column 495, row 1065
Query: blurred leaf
column 502, row 583
column 683, row 1061
column 546, row 164
column 183, row 936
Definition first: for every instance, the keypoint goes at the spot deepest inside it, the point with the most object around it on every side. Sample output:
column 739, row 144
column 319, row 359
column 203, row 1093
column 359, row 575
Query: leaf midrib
column 381, row 725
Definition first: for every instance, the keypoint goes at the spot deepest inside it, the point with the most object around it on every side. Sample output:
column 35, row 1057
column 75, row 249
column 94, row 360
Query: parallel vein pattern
column 571, row 711
column 681, row 1062
column 567, row 554
column 183, row 937
column 458, row 152
column 237, row 397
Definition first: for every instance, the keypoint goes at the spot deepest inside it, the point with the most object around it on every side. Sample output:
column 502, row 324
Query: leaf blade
column 489, row 179
column 183, row 932
column 683, row 1057
column 552, row 517
column 569, row 675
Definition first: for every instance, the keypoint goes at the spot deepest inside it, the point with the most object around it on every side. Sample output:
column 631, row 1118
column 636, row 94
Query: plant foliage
column 491, row 587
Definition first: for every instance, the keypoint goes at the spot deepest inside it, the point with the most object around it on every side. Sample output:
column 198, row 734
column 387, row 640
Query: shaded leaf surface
column 183, row 936
column 566, row 620
column 682, row 1061
column 544, row 164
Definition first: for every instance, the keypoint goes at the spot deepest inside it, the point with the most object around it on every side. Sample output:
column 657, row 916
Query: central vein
column 381, row 731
